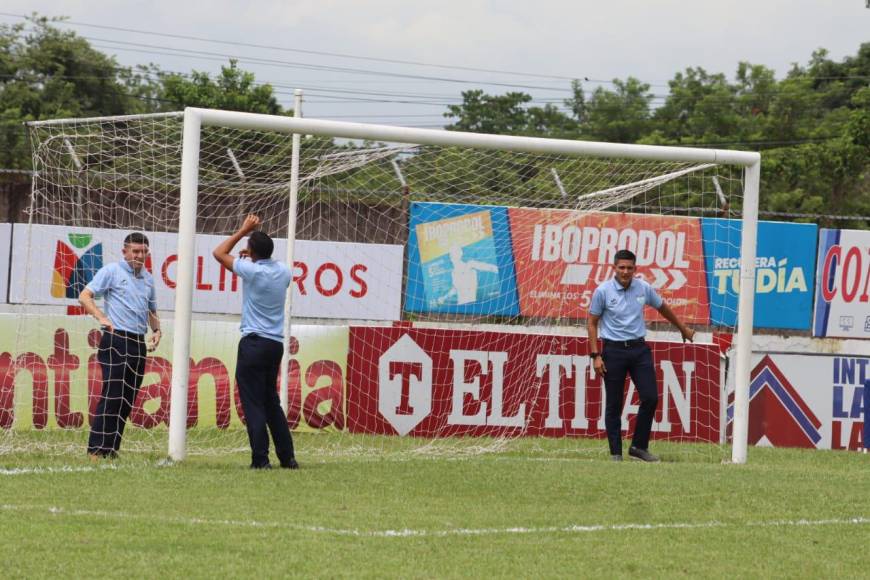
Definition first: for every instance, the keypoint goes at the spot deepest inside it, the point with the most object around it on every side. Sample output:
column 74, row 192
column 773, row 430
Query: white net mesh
column 439, row 291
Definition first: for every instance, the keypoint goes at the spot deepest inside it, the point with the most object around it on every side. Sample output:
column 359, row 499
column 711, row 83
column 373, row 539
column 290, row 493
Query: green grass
column 384, row 507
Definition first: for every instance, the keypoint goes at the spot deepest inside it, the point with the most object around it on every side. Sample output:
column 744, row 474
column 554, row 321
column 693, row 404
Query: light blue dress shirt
column 128, row 297
column 621, row 309
column 264, row 289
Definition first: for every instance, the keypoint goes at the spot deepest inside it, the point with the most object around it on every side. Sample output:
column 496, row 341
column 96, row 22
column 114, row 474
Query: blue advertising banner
column 785, row 268
column 460, row 260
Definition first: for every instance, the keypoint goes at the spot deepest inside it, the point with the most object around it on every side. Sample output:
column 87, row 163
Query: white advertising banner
column 842, row 306
column 5, row 240
column 52, row 264
column 812, row 401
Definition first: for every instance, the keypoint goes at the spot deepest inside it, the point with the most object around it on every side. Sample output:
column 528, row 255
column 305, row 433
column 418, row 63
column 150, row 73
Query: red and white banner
column 436, row 382
column 561, row 256
column 331, row 279
column 50, row 377
column 842, row 307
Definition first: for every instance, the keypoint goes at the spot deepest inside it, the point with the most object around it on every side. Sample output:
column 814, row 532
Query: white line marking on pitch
column 411, row 533
column 61, row 469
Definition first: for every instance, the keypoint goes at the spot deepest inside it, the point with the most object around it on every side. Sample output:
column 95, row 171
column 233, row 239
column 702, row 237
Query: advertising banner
column 5, row 246
column 842, row 308
column 428, row 382
column 561, row 256
column 331, row 279
column 50, row 377
column 460, row 260
column 785, row 269
column 812, row 401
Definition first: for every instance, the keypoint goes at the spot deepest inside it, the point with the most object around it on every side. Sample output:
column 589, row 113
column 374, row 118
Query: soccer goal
column 441, row 279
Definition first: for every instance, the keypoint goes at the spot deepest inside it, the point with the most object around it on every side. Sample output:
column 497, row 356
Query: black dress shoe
column 264, row 466
column 290, row 465
column 642, row 454
column 616, row 457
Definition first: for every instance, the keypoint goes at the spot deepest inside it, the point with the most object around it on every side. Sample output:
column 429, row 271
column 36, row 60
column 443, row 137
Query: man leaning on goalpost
column 617, row 305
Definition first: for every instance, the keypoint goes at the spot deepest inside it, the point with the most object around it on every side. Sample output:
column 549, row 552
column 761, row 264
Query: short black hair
column 136, row 238
column 261, row 244
column 624, row 255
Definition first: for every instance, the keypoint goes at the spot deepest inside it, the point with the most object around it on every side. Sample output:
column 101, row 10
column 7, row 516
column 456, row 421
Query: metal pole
column 291, row 240
column 558, row 182
column 184, row 288
column 745, row 314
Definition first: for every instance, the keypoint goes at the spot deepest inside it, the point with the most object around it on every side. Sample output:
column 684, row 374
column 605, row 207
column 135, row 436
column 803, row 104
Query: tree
column 234, row 90
column 49, row 73
column 621, row 115
column 507, row 115
column 700, row 108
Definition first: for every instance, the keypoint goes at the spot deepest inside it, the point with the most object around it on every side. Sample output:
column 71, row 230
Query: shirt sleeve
column 101, row 281
column 653, row 298
column 596, row 307
column 152, row 298
column 244, row 269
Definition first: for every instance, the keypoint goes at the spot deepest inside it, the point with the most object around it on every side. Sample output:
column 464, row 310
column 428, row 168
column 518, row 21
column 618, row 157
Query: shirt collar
column 129, row 269
column 620, row 287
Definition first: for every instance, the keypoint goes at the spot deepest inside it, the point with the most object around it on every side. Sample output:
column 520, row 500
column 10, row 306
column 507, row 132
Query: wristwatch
column 592, row 355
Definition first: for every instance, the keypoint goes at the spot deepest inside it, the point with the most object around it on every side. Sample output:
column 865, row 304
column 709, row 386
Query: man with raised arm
column 264, row 288
column 130, row 305
column 617, row 305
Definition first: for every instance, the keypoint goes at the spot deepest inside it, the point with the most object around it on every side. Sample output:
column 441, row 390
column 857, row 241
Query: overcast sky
column 538, row 46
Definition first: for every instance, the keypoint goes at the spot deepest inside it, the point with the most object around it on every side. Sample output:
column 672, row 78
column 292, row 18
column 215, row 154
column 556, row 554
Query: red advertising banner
column 438, row 382
column 561, row 256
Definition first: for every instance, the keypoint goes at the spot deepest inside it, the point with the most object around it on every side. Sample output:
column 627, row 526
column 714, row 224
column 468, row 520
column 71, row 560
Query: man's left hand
column 154, row 341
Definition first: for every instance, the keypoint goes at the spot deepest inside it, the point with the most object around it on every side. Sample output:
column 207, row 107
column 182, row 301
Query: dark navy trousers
column 257, row 368
column 122, row 358
column 635, row 359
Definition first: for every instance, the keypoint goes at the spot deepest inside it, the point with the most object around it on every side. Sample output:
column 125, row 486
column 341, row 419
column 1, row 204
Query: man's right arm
column 86, row 299
column 596, row 305
column 592, row 330
column 222, row 252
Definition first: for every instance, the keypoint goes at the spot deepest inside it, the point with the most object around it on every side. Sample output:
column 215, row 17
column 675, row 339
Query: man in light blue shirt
column 617, row 308
column 130, row 305
column 264, row 289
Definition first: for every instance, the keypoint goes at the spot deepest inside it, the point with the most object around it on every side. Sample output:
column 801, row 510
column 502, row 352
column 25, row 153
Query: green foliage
column 813, row 126
column 49, row 73
column 233, row 90
column 507, row 114
column 621, row 115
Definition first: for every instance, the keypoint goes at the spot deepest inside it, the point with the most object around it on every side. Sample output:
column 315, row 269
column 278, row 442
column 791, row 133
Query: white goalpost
column 194, row 119
column 433, row 260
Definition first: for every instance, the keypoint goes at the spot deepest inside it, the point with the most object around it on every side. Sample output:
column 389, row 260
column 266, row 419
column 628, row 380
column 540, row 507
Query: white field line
column 59, row 469
column 412, row 533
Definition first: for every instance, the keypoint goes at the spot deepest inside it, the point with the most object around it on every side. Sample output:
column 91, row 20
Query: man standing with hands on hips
column 618, row 305
column 264, row 290
column 130, row 307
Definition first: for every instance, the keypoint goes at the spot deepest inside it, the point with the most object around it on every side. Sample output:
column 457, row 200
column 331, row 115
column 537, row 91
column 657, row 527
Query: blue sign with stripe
column 785, row 271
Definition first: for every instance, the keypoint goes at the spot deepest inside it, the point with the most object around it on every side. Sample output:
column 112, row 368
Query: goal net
column 441, row 287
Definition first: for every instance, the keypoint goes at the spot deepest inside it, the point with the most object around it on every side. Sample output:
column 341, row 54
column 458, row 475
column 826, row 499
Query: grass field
column 379, row 507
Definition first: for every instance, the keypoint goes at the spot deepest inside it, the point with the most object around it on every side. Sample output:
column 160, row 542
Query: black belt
column 625, row 343
column 130, row 335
